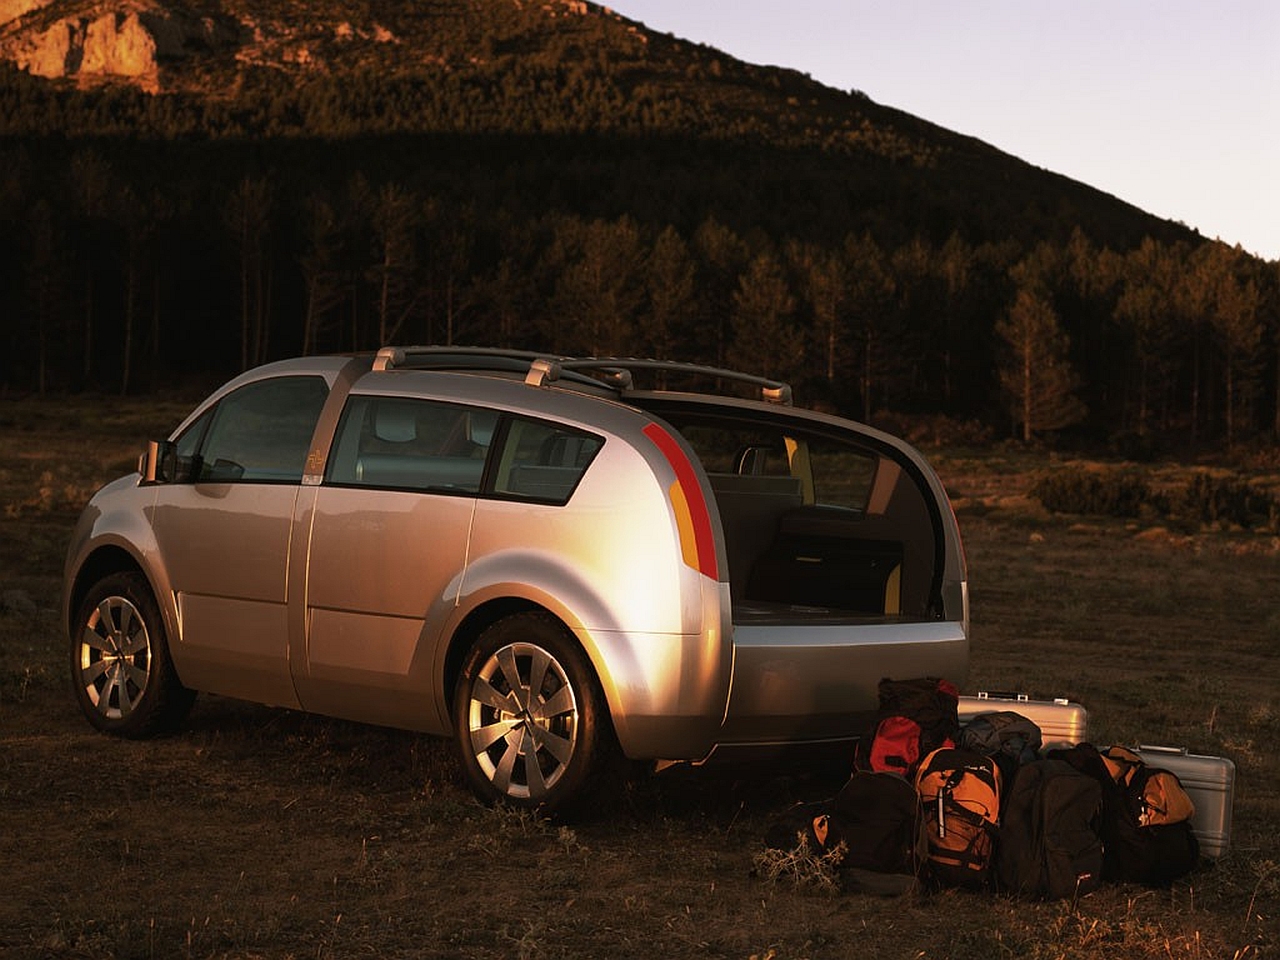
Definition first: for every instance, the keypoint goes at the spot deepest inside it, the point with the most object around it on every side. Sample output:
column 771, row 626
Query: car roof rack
column 542, row 368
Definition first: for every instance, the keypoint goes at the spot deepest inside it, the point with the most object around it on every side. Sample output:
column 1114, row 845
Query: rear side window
column 543, row 461
column 408, row 444
column 259, row 433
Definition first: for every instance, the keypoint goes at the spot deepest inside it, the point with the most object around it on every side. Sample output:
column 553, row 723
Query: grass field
column 267, row 833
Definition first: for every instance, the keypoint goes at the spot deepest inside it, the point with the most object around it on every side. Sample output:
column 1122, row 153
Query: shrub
column 1076, row 490
column 1225, row 501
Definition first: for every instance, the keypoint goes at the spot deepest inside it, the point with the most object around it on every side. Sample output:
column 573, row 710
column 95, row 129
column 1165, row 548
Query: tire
column 123, row 678
column 531, row 727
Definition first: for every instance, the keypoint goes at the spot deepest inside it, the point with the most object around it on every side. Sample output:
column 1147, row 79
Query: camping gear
column 1210, row 782
column 1061, row 721
column 960, row 795
column 1006, row 736
column 1145, row 824
column 875, row 823
column 1049, row 844
column 914, row 717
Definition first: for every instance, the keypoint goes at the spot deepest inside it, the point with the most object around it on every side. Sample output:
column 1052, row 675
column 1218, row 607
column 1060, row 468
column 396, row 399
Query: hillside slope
column 289, row 68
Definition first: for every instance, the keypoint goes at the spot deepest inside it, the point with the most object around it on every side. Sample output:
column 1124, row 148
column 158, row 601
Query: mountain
column 261, row 177
column 335, row 68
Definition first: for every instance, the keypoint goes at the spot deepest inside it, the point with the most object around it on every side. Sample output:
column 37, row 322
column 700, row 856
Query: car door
column 223, row 530
column 387, row 549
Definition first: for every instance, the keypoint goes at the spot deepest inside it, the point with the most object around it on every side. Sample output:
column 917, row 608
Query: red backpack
column 914, row 718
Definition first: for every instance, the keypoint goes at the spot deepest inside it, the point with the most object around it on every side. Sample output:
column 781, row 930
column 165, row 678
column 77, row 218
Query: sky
column 1170, row 105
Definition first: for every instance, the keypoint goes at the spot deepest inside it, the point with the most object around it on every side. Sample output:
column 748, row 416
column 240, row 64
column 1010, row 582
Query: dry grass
column 259, row 833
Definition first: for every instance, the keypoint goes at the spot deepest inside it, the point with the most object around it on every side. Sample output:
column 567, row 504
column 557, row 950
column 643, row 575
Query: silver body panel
column 356, row 602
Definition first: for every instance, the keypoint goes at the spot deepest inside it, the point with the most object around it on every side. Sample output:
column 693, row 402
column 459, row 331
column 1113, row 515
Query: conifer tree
column 599, row 290
column 395, row 219
column 1238, row 329
column 764, row 335
column 722, row 256
column 319, row 262
column 91, row 184
column 247, row 216
column 43, row 269
column 1147, row 309
column 670, row 294
column 871, row 292
column 825, row 280
column 1036, row 376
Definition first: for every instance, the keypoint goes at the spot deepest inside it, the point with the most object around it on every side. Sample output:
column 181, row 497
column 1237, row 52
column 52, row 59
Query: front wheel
column 120, row 667
column 530, row 721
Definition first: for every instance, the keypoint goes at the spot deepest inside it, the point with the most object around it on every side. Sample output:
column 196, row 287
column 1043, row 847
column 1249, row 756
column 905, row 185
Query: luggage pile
column 1004, row 793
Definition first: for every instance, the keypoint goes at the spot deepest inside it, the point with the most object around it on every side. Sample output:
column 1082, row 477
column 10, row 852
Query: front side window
column 260, row 433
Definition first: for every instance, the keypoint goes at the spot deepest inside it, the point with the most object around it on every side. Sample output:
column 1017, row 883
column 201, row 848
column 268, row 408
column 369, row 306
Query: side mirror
column 159, row 462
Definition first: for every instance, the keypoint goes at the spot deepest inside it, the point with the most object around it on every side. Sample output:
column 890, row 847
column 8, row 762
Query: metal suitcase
column 1061, row 721
column 1210, row 782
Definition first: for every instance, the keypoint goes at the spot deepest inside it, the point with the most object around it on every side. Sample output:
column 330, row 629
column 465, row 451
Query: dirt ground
column 266, row 833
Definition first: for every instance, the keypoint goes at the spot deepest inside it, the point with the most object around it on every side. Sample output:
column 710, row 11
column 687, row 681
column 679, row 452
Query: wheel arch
column 486, row 615
column 102, row 562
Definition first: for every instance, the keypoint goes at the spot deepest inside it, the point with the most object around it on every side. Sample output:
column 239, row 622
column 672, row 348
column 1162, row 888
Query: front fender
column 115, row 524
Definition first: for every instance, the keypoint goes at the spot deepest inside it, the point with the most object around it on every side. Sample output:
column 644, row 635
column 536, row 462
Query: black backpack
column 876, row 816
column 1049, row 846
column 914, row 717
column 879, row 819
column 960, row 794
column 1145, row 823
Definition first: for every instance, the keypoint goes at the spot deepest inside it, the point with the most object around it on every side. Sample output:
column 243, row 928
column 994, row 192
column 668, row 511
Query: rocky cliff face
column 130, row 39
column 136, row 40
column 150, row 42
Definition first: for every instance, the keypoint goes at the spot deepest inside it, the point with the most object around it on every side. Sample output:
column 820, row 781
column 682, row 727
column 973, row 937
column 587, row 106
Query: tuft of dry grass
column 801, row 865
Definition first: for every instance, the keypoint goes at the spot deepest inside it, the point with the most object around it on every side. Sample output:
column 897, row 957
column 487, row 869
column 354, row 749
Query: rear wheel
column 530, row 721
column 120, row 667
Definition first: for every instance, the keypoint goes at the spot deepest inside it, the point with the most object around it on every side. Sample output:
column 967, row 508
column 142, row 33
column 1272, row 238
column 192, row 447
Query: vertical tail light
column 693, row 517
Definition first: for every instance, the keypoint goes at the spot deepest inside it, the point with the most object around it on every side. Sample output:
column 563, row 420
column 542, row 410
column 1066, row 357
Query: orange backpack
column 1159, row 793
column 960, row 793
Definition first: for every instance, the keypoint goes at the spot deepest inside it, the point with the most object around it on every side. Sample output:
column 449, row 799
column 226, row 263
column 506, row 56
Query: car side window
column 543, row 461
column 260, row 433
column 409, row 444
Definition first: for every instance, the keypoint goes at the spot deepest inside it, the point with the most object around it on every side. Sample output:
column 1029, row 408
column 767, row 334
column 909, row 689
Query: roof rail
column 618, row 372
column 390, row 357
column 544, row 368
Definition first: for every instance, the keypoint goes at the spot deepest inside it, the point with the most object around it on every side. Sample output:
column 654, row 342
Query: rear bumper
column 819, row 681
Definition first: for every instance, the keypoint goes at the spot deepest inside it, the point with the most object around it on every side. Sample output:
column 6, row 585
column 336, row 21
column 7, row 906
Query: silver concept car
column 528, row 553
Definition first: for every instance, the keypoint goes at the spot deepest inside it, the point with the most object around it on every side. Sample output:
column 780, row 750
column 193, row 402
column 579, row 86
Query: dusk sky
column 1171, row 105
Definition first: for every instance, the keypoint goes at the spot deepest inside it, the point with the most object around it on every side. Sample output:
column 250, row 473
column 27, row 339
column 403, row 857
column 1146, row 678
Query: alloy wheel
column 523, row 720
column 115, row 657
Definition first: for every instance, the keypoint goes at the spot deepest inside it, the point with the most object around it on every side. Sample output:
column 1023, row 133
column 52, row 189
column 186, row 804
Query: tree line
column 116, row 285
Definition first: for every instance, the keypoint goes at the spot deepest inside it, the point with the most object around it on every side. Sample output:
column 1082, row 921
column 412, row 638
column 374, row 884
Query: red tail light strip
column 697, row 542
